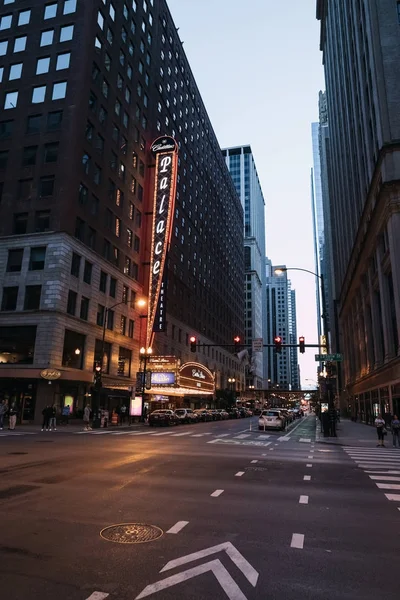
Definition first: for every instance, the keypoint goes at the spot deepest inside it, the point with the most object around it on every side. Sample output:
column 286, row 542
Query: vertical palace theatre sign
column 165, row 150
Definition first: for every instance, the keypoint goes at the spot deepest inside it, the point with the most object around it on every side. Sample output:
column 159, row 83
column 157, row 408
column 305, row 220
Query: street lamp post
column 145, row 354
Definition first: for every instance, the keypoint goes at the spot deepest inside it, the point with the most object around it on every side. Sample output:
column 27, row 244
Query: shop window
column 73, row 350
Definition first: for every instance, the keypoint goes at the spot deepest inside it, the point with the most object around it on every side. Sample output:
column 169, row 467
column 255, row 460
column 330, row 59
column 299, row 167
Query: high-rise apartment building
column 240, row 162
column 87, row 86
column 359, row 41
column 283, row 369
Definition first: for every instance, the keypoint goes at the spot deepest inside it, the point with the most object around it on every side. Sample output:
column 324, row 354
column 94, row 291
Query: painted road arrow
column 223, row 577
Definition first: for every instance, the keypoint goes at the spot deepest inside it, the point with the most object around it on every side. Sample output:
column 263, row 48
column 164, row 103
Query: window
column 136, row 245
column 34, row 123
column 129, row 237
column 54, row 120
column 71, row 303
column 87, row 272
column 73, row 351
column 122, row 325
column 24, row 17
column 6, row 129
column 32, row 297
column 100, row 315
column 124, row 362
column 63, row 61
column 117, row 226
column 3, row 47
column 42, row 220
column 104, row 349
column 94, row 209
column 102, row 115
column 25, row 189
column 66, row 33
column 59, row 90
column 20, row 44
column 131, row 328
column 5, row 22
column 127, row 266
column 38, row 94
column 110, row 320
column 20, row 223
column 103, row 282
column 84, row 313
column 89, row 131
column 113, row 287
column 119, row 198
column 37, row 258
column 15, row 71
column 97, row 44
column 100, row 20
column 14, row 262
column 110, row 37
column 29, row 156
column 69, row 7
column 125, row 293
column 46, row 38
column 43, row 65
column 46, row 186
column 51, row 152
column 97, row 174
column 112, row 11
column 3, row 158
column 91, row 239
column 10, row 297
column 11, row 100
column 50, row 11
column 80, row 229
column 106, row 249
column 75, row 264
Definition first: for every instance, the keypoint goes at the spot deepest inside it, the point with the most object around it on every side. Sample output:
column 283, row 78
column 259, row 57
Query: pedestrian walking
column 53, row 418
column 380, row 429
column 47, row 413
column 123, row 413
column 3, row 412
column 395, row 427
column 65, row 414
column 12, row 416
column 86, row 418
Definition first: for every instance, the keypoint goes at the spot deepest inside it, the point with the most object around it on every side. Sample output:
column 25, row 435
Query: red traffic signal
column 278, row 343
column 302, row 344
column 236, row 341
column 193, row 341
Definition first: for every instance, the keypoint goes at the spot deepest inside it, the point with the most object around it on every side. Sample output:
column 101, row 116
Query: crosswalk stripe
column 199, row 435
column 384, row 478
column 181, row 434
column 222, row 435
column 382, row 472
column 388, row 486
column 242, row 436
column 395, row 497
column 263, row 437
column 162, row 433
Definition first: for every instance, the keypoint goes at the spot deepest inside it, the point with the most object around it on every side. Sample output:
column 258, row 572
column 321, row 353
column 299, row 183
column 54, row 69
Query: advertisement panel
column 160, row 378
column 135, row 406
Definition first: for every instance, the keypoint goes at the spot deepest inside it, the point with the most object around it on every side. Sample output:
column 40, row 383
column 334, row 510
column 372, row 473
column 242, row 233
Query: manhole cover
column 131, row 533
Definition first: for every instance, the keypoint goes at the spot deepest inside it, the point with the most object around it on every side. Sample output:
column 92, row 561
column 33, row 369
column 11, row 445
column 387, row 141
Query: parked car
column 204, row 415
column 223, row 413
column 233, row 413
column 186, row 415
column 287, row 414
column 271, row 419
column 163, row 417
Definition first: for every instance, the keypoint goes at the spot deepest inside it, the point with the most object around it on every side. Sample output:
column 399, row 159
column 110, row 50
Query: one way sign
column 215, row 566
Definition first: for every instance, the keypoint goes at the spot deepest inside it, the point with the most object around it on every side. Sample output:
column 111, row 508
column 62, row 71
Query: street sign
column 257, row 345
column 329, row 357
column 223, row 577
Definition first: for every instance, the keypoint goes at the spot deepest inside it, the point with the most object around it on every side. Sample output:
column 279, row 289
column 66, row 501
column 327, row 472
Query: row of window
column 24, row 16
column 74, row 354
column 41, row 222
column 49, row 153
column 46, row 39
column 31, row 299
column 37, row 259
column 42, row 66
column 59, row 91
column 34, row 124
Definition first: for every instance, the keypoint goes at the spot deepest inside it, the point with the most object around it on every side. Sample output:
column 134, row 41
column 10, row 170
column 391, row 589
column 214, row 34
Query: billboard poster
column 165, row 150
column 135, row 407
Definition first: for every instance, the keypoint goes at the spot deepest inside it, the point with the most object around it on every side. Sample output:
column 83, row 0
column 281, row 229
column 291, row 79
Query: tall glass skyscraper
column 243, row 170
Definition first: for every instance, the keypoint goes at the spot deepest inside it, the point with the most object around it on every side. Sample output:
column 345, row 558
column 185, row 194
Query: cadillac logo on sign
column 166, row 152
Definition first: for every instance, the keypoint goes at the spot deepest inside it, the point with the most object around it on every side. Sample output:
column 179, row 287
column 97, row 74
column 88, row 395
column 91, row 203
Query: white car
column 271, row 419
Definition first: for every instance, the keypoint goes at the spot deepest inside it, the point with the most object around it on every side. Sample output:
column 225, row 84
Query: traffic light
column 278, row 344
column 192, row 344
column 302, row 344
column 97, row 376
column 236, row 341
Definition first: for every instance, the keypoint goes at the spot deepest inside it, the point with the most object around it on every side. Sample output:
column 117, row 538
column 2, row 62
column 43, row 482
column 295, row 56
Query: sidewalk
column 73, row 427
column 349, row 434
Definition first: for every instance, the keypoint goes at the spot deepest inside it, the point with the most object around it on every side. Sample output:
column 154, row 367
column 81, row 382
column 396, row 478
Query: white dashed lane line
column 303, row 500
column 217, row 493
column 297, row 541
column 309, row 466
column 239, row 473
column 98, row 596
column 253, row 462
column 307, row 478
column 178, row 527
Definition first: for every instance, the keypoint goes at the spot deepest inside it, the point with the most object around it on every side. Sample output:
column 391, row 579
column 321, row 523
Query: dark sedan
column 163, row 417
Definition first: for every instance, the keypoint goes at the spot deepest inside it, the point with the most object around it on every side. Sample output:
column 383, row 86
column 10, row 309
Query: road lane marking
column 143, row 433
column 283, row 438
column 384, row 478
column 311, row 456
column 178, row 527
column 162, row 433
column 307, row 440
column 308, row 465
column 303, row 500
column 395, row 497
column 240, row 442
column 297, row 541
column 181, row 434
column 216, row 493
column 199, row 435
column 242, row 436
column 263, row 436
column 388, row 486
column 253, row 462
column 239, row 473
column 222, row 435
column 381, row 471
column 307, row 478
column 98, row 596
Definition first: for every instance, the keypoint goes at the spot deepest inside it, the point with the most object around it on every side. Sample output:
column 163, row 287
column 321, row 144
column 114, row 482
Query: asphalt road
column 244, row 515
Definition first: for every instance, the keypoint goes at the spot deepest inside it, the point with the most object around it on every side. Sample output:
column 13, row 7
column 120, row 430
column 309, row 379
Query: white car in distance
column 271, row 419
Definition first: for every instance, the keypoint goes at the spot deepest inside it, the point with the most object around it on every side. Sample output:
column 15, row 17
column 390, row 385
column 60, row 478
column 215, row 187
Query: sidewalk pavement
column 349, row 433
column 73, row 427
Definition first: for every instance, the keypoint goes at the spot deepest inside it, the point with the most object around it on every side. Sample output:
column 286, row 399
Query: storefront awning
column 178, row 391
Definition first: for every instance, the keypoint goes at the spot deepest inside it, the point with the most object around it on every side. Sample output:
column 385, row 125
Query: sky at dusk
column 259, row 70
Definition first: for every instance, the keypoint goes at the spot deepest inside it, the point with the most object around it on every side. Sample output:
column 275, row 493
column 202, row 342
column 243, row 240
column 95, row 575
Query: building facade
column 240, row 162
column 283, row 369
column 360, row 42
column 87, row 86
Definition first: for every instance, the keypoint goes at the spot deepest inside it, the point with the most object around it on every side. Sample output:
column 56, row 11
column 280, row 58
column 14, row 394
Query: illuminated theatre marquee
column 165, row 150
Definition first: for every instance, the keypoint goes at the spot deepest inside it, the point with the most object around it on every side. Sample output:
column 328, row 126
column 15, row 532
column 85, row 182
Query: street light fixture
column 145, row 354
column 282, row 270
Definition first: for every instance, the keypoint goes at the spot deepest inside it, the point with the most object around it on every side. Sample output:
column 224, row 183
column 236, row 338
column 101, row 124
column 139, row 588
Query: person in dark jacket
column 3, row 412
column 47, row 413
column 12, row 416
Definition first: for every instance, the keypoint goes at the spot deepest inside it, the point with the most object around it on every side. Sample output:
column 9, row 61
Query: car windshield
column 180, row 411
column 270, row 413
